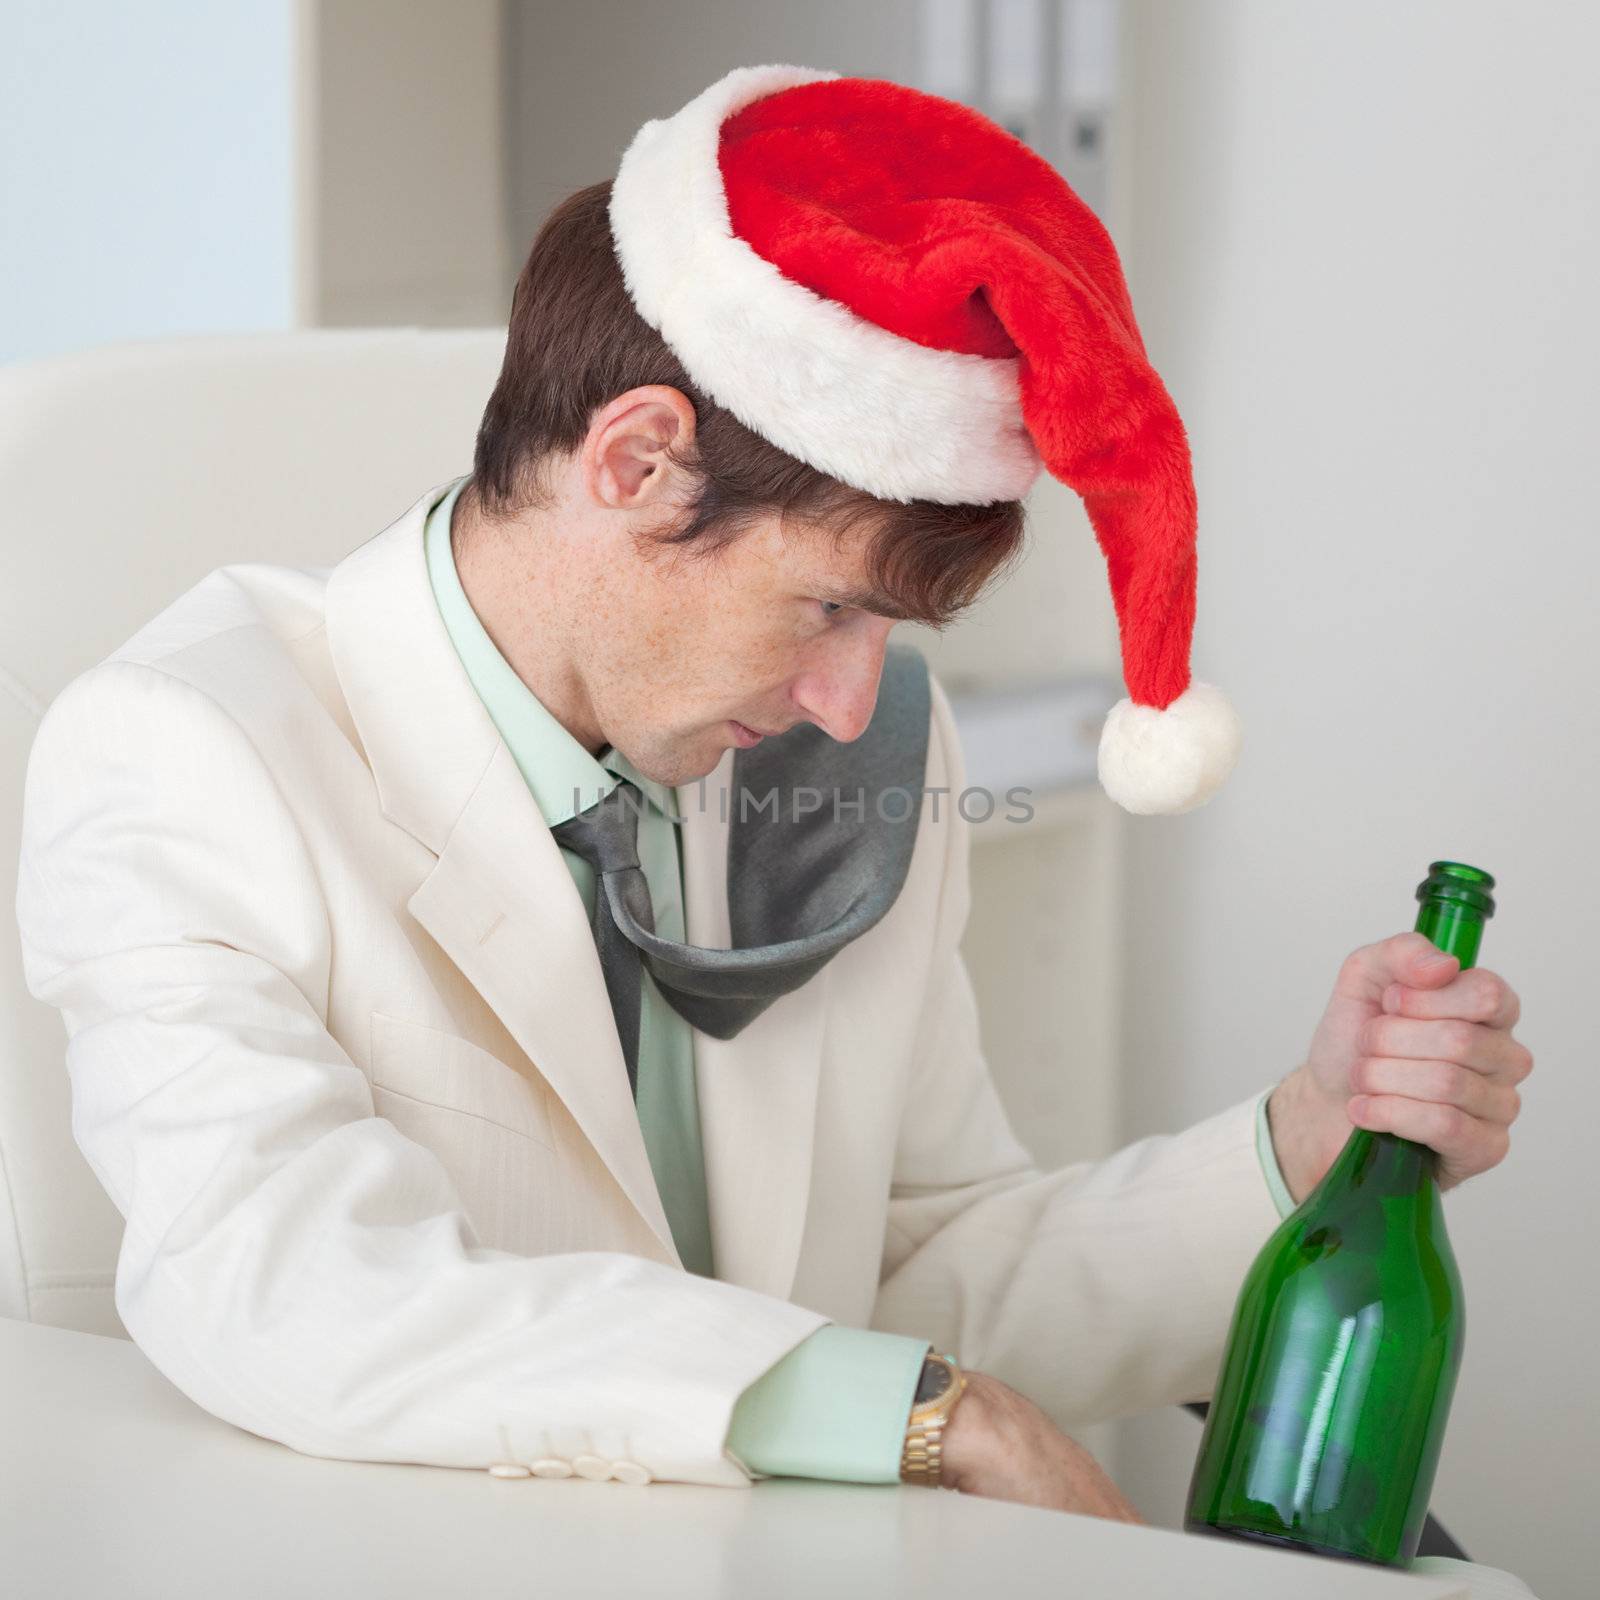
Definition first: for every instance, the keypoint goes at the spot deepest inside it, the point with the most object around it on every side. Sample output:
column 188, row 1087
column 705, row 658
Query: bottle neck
column 1384, row 1164
column 1455, row 929
column 1454, row 902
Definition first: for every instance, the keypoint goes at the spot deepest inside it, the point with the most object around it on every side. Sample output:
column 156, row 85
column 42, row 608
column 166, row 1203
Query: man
column 482, row 1083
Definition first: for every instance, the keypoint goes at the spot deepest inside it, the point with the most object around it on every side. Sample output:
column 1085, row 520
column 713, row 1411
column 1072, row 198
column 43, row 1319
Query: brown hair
column 576, row 342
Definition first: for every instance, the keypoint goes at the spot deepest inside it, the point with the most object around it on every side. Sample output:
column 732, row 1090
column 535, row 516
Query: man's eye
column 831, row 608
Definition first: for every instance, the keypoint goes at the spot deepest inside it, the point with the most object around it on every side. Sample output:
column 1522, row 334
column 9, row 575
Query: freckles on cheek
column 765, row 664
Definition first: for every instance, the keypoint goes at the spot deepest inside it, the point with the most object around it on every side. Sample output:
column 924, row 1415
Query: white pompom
column 1165, row 762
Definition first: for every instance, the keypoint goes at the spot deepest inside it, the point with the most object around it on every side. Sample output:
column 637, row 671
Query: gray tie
column 819, row 842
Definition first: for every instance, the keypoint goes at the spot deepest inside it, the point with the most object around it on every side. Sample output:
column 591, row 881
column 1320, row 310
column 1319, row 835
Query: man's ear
column 624, row 455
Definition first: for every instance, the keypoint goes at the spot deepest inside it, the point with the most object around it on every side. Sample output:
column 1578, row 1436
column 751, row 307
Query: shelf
column 1040, row 737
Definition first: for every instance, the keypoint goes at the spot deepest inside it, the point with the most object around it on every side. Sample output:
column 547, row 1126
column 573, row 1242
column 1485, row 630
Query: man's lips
column 745, row 736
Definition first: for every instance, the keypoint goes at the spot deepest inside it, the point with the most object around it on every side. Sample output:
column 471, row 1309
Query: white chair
column 126, row 475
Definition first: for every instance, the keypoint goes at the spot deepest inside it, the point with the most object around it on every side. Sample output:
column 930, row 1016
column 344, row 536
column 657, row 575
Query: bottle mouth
column 1458, row 884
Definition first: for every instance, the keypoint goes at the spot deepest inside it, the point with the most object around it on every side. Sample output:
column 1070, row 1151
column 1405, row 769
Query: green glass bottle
column 1335, row 1386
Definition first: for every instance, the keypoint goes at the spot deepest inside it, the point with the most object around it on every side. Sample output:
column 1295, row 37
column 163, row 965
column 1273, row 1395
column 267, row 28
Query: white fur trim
column 882, row 413
column 1173, row 760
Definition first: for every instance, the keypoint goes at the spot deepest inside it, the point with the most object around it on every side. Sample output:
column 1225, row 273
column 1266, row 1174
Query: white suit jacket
column 342, row 1056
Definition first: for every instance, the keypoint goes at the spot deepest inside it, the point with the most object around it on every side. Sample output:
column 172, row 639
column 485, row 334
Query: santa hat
column 889, row 286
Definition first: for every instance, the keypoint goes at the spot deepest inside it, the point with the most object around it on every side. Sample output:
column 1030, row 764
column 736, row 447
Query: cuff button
column 510, row 1469
column 552, row 1467
column 595, row 1468
column 629, row 1472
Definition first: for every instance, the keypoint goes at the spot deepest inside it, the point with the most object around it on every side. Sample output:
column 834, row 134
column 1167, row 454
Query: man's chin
column 688, row 761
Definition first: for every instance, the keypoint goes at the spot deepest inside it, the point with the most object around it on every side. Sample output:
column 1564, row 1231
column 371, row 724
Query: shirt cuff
column 1268, row 1157
column 835, row 1407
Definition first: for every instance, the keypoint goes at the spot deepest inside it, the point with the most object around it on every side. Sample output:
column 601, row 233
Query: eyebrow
column 873, row 600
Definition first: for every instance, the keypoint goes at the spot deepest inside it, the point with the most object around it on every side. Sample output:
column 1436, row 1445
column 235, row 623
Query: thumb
column 1407, row 958
column 1432, row 966
column 1423, row 966
column 1421, row 963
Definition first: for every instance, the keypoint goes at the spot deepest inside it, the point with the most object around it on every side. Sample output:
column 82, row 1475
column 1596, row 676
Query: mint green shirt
column 835, row 1406
column 565, row 779
column 1268, row 1158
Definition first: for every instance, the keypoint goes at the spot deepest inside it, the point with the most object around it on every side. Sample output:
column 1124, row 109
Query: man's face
column 693, row 653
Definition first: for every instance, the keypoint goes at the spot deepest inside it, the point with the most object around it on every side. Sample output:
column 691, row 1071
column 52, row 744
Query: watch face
column 935, row 1380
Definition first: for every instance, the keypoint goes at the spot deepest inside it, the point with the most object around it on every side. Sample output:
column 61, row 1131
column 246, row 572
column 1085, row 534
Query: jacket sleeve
column 1100, row 1290
column 289, row 1260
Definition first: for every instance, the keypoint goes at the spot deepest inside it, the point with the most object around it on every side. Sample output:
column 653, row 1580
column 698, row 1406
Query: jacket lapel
column 499, row 900
column 758, row 1091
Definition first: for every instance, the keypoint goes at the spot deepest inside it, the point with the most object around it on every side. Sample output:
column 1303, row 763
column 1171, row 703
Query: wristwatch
column 939, row 1388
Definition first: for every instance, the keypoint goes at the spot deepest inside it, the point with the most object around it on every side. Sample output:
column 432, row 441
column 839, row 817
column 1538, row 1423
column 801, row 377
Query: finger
column 1487, row 1050
column 1436, row 1082
column 1478, row 995
column 1407, row 958
column 1469, row 1144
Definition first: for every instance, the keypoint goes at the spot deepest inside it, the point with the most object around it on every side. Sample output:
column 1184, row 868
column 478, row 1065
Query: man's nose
column 839, row 692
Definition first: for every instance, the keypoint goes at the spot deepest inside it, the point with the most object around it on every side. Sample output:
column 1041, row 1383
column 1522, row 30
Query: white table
column 115, row 1486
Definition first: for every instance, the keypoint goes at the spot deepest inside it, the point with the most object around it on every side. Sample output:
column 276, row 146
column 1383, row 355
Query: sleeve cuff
column 1270, row 1170
column 835, row 1407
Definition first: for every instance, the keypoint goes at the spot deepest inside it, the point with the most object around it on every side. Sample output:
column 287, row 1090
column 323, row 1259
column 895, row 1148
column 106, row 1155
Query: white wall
column 402, row 148
column 1365, row 244
column 145, row 171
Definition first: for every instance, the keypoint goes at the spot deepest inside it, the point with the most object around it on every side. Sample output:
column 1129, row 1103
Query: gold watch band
column 922, row 1458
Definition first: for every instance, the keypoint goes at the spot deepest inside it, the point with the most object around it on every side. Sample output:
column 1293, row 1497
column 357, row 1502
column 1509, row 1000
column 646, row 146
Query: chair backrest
column 126, row 475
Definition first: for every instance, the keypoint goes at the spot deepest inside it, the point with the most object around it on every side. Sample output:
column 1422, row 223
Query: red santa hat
column 889, row 286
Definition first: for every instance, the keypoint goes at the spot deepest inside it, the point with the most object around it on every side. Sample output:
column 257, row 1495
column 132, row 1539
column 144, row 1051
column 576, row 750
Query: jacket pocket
column 413, row 1065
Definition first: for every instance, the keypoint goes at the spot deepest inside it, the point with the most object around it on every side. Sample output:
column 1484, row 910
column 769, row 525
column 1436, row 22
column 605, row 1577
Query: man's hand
column 1001, row 1447
column 1409, row 1044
